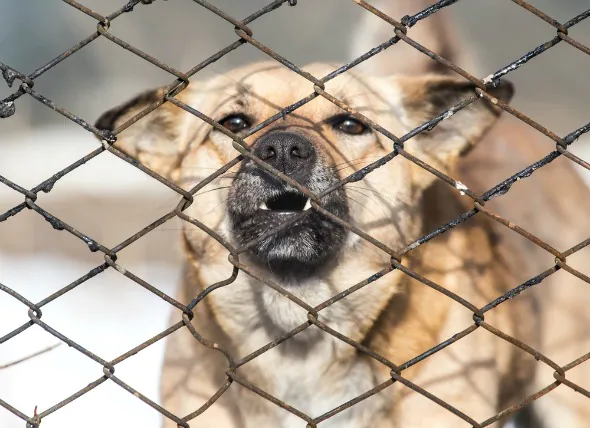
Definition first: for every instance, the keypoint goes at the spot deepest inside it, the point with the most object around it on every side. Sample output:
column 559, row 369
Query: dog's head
column 318, row 144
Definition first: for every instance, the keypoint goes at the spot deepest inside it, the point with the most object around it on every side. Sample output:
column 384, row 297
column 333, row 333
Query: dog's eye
column 349, row 125
column 235, row 123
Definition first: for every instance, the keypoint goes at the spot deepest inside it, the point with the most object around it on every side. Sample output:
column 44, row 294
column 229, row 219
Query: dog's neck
column 252, row 314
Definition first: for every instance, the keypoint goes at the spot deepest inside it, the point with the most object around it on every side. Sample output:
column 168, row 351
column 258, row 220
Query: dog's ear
column 438, row 33
column 154, row 140
column 424, row 98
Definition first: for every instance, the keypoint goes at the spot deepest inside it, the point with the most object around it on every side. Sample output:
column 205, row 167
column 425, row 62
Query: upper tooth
column 307, row 205
column 263, row 206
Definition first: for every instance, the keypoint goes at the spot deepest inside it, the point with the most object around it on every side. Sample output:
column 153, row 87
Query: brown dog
column 316, row 258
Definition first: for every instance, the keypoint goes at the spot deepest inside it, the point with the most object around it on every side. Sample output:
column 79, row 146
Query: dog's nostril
column 299, row 152
column 268, row 153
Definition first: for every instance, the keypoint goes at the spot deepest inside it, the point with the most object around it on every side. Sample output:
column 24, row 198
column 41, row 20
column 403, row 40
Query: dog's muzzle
column 259, row 202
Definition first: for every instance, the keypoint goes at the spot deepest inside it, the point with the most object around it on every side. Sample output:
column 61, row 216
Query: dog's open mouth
column 287, row 202
column 304, row 240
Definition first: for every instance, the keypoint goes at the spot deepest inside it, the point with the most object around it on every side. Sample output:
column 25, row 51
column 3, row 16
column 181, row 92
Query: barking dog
column 316, row 257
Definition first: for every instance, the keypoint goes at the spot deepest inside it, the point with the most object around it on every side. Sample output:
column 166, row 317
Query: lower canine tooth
column 307, row 205
column 263, row 206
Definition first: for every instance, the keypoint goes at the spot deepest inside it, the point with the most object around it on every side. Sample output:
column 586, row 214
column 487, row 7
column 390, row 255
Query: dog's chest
column 315, row 383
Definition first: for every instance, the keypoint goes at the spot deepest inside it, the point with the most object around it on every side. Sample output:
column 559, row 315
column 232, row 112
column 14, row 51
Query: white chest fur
column 314, row 380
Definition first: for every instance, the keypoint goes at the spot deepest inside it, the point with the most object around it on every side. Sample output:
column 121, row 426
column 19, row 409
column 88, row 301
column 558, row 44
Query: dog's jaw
column 258, row 203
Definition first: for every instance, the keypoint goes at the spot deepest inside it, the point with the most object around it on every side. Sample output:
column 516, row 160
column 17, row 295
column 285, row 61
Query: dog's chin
column 295, row 254
column 301, row 250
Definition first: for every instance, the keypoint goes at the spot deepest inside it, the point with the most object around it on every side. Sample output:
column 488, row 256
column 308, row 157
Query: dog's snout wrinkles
column 286, row 151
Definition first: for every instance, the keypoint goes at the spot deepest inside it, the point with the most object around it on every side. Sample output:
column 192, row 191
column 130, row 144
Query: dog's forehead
column 273, row 87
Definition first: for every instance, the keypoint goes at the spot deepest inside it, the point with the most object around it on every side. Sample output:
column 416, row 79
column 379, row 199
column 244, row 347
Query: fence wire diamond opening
column 401, row 29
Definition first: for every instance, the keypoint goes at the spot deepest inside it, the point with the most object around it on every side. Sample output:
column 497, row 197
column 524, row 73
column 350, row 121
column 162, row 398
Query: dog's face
column 317, row 145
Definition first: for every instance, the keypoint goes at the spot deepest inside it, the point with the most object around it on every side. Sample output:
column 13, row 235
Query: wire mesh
column 401, row 29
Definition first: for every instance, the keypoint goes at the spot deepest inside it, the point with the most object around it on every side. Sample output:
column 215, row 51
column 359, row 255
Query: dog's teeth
column 307, row 205
column 263, row 206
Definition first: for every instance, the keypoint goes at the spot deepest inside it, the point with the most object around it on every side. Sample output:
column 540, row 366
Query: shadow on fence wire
column 401, row 30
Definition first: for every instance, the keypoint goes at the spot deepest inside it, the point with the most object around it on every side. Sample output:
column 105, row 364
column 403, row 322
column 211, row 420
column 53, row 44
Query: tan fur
column 396, row 316
column 552, row 204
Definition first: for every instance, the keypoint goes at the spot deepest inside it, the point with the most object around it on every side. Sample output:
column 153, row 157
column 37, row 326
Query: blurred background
column 110, row 200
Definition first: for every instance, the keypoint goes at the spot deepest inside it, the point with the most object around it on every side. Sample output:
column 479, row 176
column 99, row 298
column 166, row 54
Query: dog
column 316, row 258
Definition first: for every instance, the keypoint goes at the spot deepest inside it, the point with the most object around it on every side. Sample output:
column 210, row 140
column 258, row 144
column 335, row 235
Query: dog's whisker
column 194, row 180
column 212, row 190
column 372, row 190
column 354, row 200
column 379, row 205
column 356, row 160
column 350, row 165
column 218, row 205
column 199, row 167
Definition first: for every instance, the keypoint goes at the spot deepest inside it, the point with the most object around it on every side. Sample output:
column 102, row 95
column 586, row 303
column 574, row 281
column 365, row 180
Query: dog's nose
column 288, row 152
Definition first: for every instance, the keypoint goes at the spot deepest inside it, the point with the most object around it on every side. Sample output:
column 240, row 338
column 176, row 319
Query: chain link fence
column 401, row 29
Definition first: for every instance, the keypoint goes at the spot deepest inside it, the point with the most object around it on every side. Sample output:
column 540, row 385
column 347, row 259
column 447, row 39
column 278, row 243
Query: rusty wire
column 402, row 30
